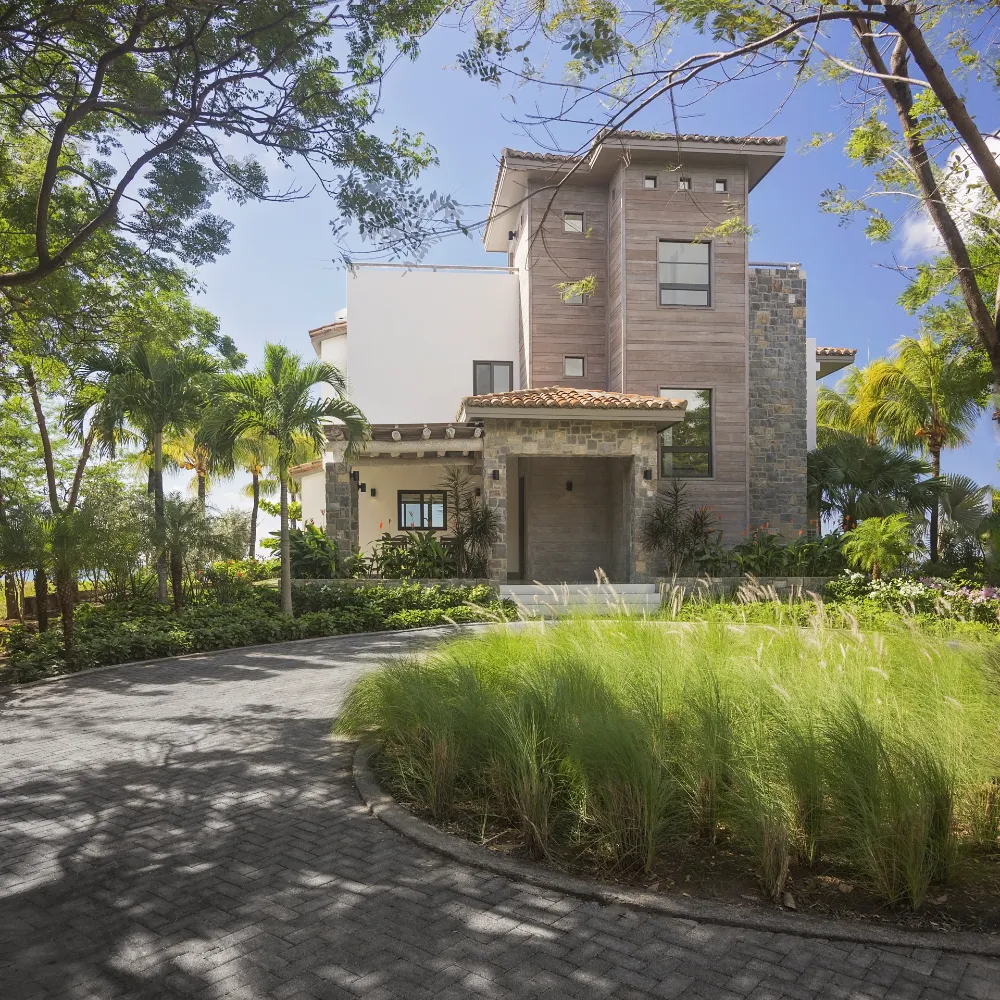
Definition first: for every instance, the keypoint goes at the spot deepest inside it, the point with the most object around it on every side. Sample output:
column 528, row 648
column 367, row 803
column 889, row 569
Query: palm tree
column 254, row 454
column 880, row 543
column 854, row 479
column 276, row 403
column 837, row 413
column 927, row 398
column 185, row 528
column 190, row 451
column 149, row 389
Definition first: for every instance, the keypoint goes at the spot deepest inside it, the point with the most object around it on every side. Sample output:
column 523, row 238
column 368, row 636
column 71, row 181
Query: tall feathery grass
column 617, row 737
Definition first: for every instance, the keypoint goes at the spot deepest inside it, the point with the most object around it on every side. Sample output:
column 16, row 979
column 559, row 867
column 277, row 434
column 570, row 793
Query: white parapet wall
column 415, row 331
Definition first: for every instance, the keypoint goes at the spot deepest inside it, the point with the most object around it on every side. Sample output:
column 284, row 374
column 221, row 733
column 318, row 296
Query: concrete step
column 511, row 589
column 544, row 601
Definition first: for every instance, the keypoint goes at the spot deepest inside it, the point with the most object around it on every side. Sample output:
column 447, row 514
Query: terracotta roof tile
column 569, row 158
column 338, row 326
column 836, row 352
column 557, row 397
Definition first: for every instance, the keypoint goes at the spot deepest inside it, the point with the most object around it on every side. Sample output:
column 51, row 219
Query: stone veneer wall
column 778, row 399
column 503, row 439
column 341, row 506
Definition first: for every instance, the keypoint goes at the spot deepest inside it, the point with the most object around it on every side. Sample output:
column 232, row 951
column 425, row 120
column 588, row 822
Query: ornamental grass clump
column 610, row 742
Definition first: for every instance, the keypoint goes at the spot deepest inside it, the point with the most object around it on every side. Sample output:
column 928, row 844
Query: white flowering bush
column 928, row 595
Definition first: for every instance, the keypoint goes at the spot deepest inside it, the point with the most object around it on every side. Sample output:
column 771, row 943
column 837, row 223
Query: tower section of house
column 655, row 226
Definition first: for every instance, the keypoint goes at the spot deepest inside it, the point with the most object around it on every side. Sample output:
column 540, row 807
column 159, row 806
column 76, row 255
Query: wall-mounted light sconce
column 569, row 487
column 647, row 474
column 479, row 492
column 362, row 487
column 373, row 493
column 355, row 475
column 496, row 474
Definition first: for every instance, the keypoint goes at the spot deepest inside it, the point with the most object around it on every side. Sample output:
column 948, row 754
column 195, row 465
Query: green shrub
column 609, row 739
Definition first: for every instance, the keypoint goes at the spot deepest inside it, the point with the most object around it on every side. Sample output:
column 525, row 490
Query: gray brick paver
column 187, row 829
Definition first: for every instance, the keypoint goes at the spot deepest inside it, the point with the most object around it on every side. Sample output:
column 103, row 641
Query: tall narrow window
column 572, row 222
column 686, row 447
column 721, row 185
column 422, row 510
column 492, row 376
column 574, row 367
column 684, row 273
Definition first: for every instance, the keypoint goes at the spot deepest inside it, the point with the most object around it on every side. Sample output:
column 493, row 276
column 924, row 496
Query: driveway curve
column 187, row 829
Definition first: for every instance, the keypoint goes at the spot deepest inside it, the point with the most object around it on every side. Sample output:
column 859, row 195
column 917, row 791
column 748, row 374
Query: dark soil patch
column 721, row 873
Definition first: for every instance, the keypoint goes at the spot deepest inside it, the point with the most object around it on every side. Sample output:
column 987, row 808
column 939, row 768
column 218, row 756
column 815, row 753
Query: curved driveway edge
column 384, row 807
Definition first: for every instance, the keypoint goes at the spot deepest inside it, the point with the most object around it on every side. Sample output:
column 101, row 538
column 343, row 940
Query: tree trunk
column 10, row 596
column 67, row 598
column 42, row 599
column 936, row 470
column 43, row 433
column 253, row 516
column 158, row 508
column 177, row 580
column 286, row 553
column 202, row 491
column 151, row 482
column 876, row 571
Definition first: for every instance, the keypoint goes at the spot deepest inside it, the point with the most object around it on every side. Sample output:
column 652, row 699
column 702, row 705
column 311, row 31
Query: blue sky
column 279, row 278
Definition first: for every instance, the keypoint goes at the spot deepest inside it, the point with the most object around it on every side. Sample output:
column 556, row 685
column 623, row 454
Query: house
column 623, row 340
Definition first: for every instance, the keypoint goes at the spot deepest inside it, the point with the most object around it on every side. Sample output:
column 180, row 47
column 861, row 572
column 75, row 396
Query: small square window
column 572, row 222
column 492, row 376
column 422, row 510
column 684, row 184
column 574, row 367
column 721, row 185
column 649, row 182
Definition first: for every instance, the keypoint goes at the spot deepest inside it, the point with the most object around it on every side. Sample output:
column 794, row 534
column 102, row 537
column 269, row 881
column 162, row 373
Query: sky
column 280, row 280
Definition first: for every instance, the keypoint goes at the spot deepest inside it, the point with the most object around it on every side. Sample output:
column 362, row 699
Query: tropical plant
column 254, row 454
column 966, row 522
column 146, row 390
column 880, row 544
column 852, row 479
column 926, row 398
column 276, row 403
column 185, row 530
column 192, row 453
column 314, row 554
column 676, row 531
column 837, row 409
column 475, row 527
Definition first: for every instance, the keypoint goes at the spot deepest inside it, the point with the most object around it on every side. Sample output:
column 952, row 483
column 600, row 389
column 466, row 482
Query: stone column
column 646, row 456
column 778, row 399
column 341, row 506
column 495, row 496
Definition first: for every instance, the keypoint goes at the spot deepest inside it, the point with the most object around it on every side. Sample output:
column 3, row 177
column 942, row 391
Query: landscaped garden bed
column 236, row 615
column 841, row 771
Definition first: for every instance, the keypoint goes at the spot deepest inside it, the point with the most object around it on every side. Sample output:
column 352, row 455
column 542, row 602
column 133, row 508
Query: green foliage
column 607, row 742
column 241, row 615
column 880, row 544
column 677, row 532
column 232, row 580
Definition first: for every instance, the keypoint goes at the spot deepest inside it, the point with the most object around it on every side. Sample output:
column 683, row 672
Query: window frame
column 493, row 365
column 583, row 223
column 685, row 184
column 425, row 508
column 724, row 181
column 662, row 449
column 710, row 304
column 650, row 177
column 582, row 358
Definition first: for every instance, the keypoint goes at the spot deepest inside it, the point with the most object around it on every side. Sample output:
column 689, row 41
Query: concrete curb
column 385, row 808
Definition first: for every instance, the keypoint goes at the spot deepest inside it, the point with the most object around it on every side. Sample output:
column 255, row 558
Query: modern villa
column 677, row 358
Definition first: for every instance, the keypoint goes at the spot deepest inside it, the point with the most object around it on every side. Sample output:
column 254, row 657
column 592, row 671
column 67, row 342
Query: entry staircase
column 541, row 600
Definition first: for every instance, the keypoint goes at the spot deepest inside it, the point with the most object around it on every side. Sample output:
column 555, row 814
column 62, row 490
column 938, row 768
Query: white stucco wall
column 812, row 373
column 333, row 350
column 313, row 497
column 413, row 334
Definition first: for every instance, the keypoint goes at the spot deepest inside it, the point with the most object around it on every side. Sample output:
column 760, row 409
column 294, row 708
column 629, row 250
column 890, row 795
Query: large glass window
column 684, row 273
column 492, row 376
column 686, row 447
column 422, row 510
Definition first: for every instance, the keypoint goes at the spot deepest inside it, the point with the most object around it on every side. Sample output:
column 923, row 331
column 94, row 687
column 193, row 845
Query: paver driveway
column 187, row 829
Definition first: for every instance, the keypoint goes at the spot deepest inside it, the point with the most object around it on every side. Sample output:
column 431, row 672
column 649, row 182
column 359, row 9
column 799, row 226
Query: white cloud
column 965, row 191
